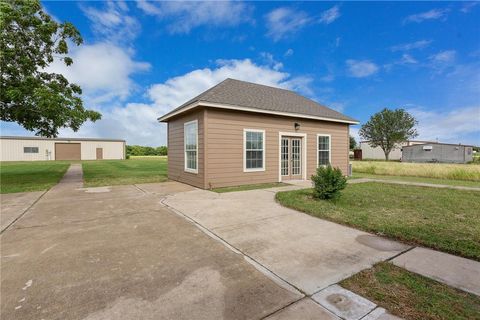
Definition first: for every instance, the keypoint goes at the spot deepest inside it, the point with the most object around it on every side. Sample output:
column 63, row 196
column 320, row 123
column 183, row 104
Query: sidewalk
column 457, row 272
column 410, row 183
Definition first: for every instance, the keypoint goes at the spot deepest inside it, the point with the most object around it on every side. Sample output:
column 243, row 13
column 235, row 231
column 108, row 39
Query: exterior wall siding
column 12, row 149
column 438, row 153
column 176, row 154
column 224, row 138
column 377, row 153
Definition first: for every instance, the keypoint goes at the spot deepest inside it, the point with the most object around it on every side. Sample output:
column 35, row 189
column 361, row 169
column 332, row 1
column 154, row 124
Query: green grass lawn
column 131, row 171
column 443, row 219
column 411, row 296
column 30, row 176
column 250, row 187
column 463, row 183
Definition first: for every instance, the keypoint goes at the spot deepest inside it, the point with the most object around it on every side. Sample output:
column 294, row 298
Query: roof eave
column 195, row 104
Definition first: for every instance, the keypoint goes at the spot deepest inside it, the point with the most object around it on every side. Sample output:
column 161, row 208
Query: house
column 438, row 152
column 39, row 148
column 370, row 153
column 239, row 133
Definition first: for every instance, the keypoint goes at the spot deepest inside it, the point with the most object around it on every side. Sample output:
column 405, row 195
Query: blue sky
column 141, row 59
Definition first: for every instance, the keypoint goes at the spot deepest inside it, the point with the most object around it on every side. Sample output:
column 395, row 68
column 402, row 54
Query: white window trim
column 245, row 150
column 304, row 152
column 329, row 147
column 185, row 147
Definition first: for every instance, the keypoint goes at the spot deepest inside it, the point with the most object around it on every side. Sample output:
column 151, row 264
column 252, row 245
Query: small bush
column 328, row 182
column 127, row 157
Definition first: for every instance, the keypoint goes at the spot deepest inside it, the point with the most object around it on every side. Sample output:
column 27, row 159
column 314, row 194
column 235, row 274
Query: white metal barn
column 38, row 148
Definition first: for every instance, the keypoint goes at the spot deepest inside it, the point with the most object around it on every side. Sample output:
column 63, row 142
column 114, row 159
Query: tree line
column 146, row 151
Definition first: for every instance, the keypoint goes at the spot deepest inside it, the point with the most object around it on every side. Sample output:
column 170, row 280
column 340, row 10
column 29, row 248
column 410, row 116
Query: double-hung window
column 190, row 130
column 323, row 150
column 254, row 150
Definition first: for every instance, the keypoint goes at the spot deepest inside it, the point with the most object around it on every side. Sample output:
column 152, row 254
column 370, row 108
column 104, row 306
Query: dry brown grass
column 468, row 172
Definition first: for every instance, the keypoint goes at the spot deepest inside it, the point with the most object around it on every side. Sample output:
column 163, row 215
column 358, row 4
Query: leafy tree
column 162, row 151
column 146, row 151
column 387, row 128
column 353, row 143
column 39, row 101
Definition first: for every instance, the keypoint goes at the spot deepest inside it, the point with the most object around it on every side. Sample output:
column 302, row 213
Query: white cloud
column 284, row 22
column 270, row 60
column 420, row 44
column 433, row 14
column 183, row 16
column 288, row 53
column 361, row 68
column 446, row 56
column 450, row 126
column 137, row 122
column 337, row 42
column 407, row 59
column 103, row 70
column 468, row 6
column 113, row 23
column 330, row 15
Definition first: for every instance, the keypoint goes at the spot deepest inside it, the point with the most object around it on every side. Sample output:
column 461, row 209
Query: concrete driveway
column 118, row 253
column 303, row 251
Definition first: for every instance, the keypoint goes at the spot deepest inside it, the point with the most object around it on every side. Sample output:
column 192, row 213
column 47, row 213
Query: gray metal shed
column 438, row 152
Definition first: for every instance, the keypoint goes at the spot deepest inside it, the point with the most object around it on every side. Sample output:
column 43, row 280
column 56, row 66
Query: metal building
column 39, row 148
column 370, row 153
column 437, row 152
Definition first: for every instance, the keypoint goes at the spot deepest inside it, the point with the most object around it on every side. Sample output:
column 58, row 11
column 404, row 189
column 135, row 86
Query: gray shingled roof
column 256, row 96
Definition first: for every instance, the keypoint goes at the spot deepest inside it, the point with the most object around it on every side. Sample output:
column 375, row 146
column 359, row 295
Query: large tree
column 388, row 128
column 39, row 101
column 353, row 143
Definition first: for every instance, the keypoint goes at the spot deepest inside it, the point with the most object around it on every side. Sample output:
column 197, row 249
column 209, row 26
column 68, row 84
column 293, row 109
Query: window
column 190, row 130
column 254, row 146
column 323, row 150
column 30, row 149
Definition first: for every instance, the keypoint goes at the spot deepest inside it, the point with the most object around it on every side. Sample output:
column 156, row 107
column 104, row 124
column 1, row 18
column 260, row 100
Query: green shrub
column 328, row 182
column 127, row 157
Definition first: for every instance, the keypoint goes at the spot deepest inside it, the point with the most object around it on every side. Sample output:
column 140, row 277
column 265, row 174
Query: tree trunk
column 387, row 153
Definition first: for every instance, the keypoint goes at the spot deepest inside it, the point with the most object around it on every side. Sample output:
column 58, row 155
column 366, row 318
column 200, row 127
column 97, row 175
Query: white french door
column 291, row 158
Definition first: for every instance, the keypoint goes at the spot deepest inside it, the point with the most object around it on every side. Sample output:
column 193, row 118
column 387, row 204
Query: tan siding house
column 239, row 133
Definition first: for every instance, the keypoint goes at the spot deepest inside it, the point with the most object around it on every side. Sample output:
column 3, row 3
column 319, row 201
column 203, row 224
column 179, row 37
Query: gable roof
column 247, row 96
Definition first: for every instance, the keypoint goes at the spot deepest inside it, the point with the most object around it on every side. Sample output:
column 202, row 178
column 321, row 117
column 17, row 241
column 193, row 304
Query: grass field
column 467, row 172
column 30, row 176
column 412, row 296
column 133, row 170
column 443, row 219
column 250, row 187
column 463, row 183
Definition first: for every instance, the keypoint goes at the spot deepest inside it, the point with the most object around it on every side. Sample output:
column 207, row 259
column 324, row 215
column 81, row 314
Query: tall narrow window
column 323, row 149
column 191, row 146
column 254, row 145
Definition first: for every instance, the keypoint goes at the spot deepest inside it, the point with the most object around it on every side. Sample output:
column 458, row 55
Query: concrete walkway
column 461, row 273
column 312, row 254
column 307, row 253
column 118, row 253
column 14, row 205
column 411, row 183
